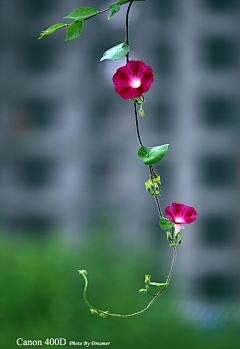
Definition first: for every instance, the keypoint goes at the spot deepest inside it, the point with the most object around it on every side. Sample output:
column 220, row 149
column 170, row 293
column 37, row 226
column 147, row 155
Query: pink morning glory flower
column 133, row 79
column 180, row 214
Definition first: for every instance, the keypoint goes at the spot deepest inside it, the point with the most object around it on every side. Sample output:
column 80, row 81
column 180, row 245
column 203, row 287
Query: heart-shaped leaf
column 165, row 224
column 116, row 52
column 151, row 156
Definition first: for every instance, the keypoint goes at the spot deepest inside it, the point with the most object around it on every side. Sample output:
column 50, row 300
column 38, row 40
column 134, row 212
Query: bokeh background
column 72, row 187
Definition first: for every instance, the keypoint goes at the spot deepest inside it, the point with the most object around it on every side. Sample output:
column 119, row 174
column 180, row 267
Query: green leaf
column 82, row 12
column 152, row 155
column 165, row 224
column 114, row 8
column 158, row 285
column 116, row 52
column 74, row 30
column 51, row 29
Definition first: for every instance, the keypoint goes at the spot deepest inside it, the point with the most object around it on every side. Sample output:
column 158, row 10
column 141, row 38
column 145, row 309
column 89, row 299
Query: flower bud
column 169, row 237
column 177, row 234
column 180, row 240
column 157, row 180
column 147, row 279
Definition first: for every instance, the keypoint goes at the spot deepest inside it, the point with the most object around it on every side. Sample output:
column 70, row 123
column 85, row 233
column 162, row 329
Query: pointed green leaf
column 116, row 52
column 158, row 285
column 74, row 30
column 51, row 29
column 82, row 12
column 152, row 155
column 165, row 224
column 114, row 8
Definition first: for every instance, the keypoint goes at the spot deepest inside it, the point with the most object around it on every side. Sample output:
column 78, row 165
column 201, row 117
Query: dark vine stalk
column 83, row 272
column 150, row 166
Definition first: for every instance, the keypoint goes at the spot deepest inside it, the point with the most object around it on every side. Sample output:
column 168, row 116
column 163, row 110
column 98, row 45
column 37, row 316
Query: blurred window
column 33, row 114
column 161, row 115
column 166, row 8
column 219, row 171
column 101, row 170
column 32, row 224
column 216, row 230
column 37, row 55
column 220, row 111
column 222, row 5
column 220, row 53
column 215, row 286
column 34, row 172
column 165, row 56
column 163, row 9
column 100, row 111
column 37, row 8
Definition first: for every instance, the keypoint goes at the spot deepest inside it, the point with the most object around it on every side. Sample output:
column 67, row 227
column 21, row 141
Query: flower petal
column 125, row 79
column 179, row 212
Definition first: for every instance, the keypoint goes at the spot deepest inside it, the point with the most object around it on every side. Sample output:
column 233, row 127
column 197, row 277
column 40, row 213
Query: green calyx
column 140, row 102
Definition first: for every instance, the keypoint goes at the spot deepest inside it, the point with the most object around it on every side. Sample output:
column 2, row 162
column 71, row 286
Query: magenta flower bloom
column 133, row 79
column 180, row 214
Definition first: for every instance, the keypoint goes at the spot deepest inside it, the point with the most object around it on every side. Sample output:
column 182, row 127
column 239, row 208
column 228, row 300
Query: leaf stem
column 173, row 264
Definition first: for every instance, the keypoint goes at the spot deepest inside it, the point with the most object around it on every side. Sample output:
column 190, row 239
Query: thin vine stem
column 137, row 125
column 150, row 166
column 83, row 272
column 106, row 313
column 127, row 32
column 173, row 264
column 135, row 106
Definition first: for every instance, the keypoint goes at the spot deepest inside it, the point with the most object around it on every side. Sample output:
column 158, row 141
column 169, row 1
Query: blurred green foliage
column 41, row 296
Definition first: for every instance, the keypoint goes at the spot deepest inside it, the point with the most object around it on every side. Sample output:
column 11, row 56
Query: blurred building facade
column 68, row 152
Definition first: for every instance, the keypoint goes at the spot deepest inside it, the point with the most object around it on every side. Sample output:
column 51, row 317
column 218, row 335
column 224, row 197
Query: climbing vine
column 131, row 82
